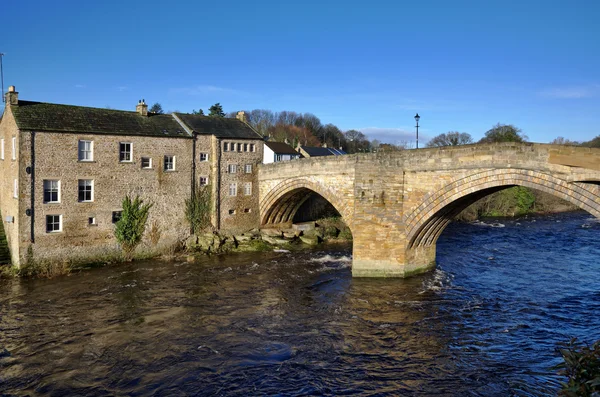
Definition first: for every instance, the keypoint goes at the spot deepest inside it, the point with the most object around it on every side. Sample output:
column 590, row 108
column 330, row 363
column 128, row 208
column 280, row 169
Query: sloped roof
column 281, row 148
column 41, row 116
column 221, row 127
column 322, row 151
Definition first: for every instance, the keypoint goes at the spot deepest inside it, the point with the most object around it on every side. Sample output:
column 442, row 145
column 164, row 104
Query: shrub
column 198, row 208
column 130, row 228
column 581, row 366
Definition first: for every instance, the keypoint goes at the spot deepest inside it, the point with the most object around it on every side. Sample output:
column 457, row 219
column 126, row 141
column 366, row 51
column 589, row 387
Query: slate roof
column 322, row 151
column 50, row 117
column 221, row 127
column 281, row 148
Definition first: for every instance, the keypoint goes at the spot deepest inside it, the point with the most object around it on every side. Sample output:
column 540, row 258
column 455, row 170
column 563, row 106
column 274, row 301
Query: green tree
column 216, row 110
column 581, row 366
column 452, row 138
column 198, row 209
column 504, row 133
column 156, row 108
column 200, row 112
column 593, row 143
column 130, row 228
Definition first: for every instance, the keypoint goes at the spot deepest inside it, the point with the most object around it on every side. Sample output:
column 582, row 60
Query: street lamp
column 417, row 118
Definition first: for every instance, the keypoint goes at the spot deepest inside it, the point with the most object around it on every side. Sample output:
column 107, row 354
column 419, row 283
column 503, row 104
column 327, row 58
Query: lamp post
column 417, row 118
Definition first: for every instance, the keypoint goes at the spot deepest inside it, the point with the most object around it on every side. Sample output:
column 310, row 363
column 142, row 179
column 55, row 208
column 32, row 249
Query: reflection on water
column 486, row 322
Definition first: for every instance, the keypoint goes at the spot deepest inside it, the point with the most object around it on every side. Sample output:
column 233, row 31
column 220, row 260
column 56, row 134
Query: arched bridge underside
column 398, row 204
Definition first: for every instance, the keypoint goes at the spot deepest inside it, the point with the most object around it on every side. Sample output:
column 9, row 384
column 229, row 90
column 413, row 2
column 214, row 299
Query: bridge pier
column 403, row 262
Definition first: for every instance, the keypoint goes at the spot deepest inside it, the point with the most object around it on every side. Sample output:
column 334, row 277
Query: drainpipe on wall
column 193, row 181
column 32, row 214
column 218, row 193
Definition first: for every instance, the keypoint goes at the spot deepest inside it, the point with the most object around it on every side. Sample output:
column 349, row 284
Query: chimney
column 142, row 108
column 12, row 96
column 241, row 116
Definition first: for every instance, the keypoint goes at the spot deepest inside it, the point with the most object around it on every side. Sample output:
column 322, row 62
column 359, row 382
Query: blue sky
column 462, row 65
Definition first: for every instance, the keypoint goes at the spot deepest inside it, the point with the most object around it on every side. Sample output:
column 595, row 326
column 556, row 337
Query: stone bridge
column 397, row 204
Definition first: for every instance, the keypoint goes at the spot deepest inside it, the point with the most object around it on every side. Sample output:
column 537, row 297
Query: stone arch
column 426, row 223
column 282, row 202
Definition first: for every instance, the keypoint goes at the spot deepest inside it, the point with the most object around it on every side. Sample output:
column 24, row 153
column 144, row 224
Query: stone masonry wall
column 57, row 159
column 9, row 171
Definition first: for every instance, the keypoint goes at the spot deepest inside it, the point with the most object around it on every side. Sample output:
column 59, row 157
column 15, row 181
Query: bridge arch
column 427, row 222
column 283, row 201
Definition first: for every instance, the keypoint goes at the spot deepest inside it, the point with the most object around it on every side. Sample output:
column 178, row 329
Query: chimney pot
column 142, row 108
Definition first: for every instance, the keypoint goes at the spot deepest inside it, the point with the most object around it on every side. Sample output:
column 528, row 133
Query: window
column 252, row 147
column 248, row 168
column 86, row 190
column 203, row 180
column 92, row 221
column 53, row 223
column 86, row 151
column 233, row 189
column 239, row 147
column 245, row 147
column 169, row 163
column 16, row 188
column 226, row 147
column 231, row 212
column 2, row 149
column 146, row 163
column 203, row 156
column 125, row 152
column 278, row 157
column 247, row 210
column 14, row 148
column 116, row 216
column 232, row 168
column 248, row 188
column 51, row 191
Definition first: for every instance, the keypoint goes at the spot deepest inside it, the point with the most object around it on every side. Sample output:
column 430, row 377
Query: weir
column 397, row 204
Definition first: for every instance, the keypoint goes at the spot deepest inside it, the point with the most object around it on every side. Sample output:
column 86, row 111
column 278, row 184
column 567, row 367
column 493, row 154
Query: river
column 485, row 323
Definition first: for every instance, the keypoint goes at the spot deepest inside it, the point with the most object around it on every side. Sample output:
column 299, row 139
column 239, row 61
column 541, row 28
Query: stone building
column 64, row 171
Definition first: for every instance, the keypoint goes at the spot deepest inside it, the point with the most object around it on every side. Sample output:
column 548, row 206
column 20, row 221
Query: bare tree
column 452, row 138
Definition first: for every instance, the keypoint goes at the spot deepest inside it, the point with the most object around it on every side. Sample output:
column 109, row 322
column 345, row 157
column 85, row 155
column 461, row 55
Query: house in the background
column 308, row 151
column 279, row 151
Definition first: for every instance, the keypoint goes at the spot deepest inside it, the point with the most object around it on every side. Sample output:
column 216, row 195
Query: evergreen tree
column 216, row 110
column 156, row 108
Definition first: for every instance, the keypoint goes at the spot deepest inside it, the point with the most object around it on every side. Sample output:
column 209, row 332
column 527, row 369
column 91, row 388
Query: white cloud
column 206, row 90
column 572, row 92
column 392, row 135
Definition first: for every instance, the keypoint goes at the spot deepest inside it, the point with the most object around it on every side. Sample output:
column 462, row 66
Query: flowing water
column 485, row 323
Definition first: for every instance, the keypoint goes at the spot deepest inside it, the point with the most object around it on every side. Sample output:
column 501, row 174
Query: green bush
column 581, row 366
column 198, row 208
column 130, row 228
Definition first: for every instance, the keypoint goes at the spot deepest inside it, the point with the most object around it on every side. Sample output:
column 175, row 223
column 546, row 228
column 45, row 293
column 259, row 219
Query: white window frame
column 248, row 189
column 239, row 147
column 232, row 189
column 205, row 157
column 149, row 162
column 205, row 180
column 172, row 162
column 2, row 148
column 14, row 147
column 225, row 146
column 53, row 222
column 252, row 147
column 94, row 221
column 248, row 168
column 232, row 168
column 245, row 147
column 85, row 185
column 16, row 188
column 49, row 188
column 123, row 153
column 82, row 152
